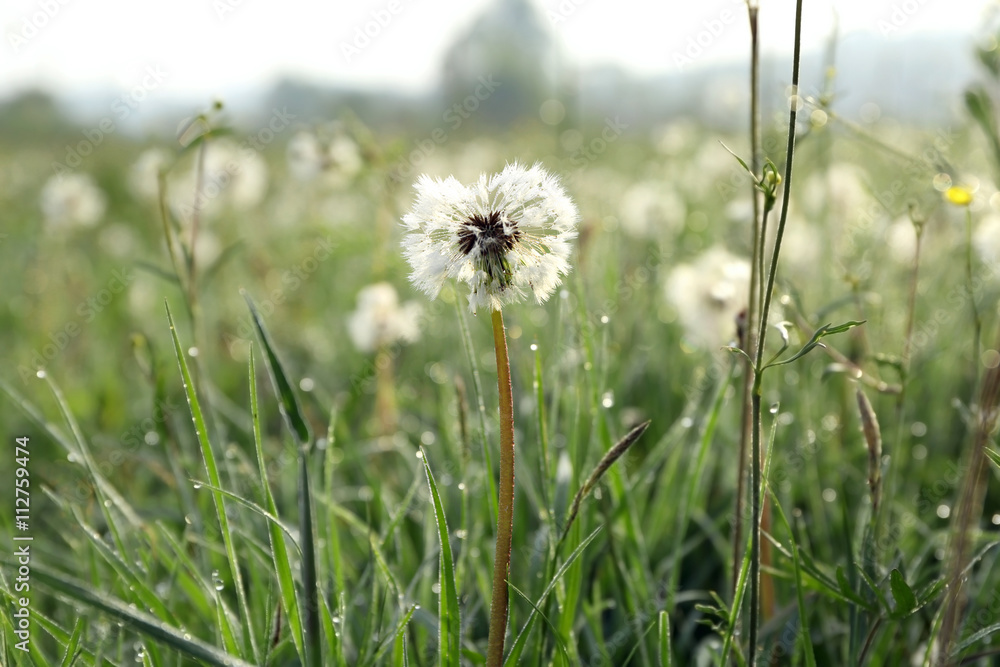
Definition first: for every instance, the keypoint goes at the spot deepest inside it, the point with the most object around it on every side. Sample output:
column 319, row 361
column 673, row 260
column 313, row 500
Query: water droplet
column 217, row 580
column 996, row 519
column 604, row 319
column 461, row 486
column 197, row 485
column 461, row 534
column 336, row 620
column 192, row 351
column 73, row 458
column 943, row 511
column 420, row 454
column 534, row 347
column 307, row 384
column 41, row 373
column 687, row 422
column 608, row 400
column 436, row 589
column 829, row 495
column 187, row 519
column 774, row 408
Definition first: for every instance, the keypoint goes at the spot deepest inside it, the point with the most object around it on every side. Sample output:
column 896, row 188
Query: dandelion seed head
column 72, row 200
column 506, row 236
column 381, row 319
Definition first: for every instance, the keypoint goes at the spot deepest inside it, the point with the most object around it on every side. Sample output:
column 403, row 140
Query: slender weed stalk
column 748, row 333
column 970, row 508
column 756, row 395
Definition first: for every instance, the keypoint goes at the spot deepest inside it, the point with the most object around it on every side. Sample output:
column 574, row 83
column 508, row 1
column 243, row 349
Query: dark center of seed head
column 486, row 231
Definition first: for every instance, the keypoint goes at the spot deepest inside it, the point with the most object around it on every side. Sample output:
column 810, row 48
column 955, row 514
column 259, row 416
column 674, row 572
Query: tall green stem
column 505, row 517
column 755, row 463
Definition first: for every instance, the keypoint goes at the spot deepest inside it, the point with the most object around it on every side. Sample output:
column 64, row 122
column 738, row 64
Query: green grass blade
column 73, row 651
column 288, row 401
column 522, row 638
column 807, row 645
column 449, row 623
column 145, row 623
column 664, row 639
column 208, row 456
column 279, row 549
column 470, row 353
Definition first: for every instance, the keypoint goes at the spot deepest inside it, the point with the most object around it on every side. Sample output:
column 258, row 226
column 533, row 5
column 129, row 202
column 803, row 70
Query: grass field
column 302, row 469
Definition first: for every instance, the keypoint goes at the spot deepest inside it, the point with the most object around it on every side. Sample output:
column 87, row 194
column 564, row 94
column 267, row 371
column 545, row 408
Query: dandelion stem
column 505, row 517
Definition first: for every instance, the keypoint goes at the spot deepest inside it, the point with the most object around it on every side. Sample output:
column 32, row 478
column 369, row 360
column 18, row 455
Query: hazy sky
column 197, row 49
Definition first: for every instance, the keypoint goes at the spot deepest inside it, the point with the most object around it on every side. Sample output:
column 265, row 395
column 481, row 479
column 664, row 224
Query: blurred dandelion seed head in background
column 381, row 319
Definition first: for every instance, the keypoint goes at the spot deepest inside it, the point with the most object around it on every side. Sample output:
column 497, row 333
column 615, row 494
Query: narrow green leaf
column 518, row 646
column 151, row 626
column 72, row 652
column 289, row 402
column 208, row 457
column 848, row 592
column 449, row 624
column 906, row 602
column 279, row 549
column 664, row 639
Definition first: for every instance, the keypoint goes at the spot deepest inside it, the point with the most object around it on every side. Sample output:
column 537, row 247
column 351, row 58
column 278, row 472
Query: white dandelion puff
column 505, row 236
column 72, row 200
column 381, row 320
column 709, row 295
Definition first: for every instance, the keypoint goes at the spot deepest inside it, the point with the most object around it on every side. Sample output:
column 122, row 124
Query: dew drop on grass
column 192, row 352
column 534, row 347
column 608, row 400
column 996, row 519
column 774, row 408
column 217, row 580
column 197, row 485
column 73, row 458
column 420, row 454
column 187, row 519
column 605, row 319
column 687, row 422
column 436, row 589
column 943, row 511
column 461, row 534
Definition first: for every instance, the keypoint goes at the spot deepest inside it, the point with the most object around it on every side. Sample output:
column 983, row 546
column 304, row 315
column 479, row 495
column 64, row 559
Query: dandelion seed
column 506, row 236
